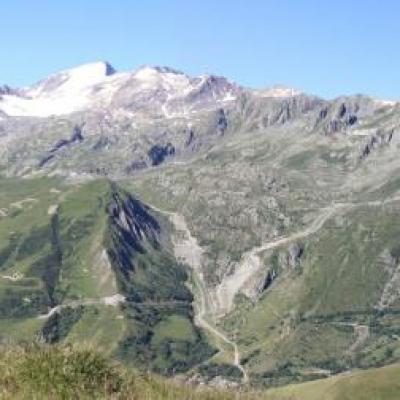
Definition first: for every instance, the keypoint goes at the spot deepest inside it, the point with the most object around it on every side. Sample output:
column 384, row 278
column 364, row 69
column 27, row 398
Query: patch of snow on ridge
column 385, row 103
column 229, row 97
column 277, row 91
column 170, row 80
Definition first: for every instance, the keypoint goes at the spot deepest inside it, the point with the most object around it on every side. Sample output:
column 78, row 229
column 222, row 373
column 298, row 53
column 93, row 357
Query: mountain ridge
column 66, row 89
column 105, row 69
column 102, row 79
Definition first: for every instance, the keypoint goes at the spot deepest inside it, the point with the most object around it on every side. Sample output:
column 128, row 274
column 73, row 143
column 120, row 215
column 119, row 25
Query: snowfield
column 98, row 86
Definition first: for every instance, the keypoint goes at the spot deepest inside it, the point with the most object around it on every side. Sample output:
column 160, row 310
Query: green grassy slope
column 375, row 384
column 326, row 312
column 75, row 249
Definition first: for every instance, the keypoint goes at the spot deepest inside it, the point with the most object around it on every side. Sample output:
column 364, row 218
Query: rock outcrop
column 374, row 141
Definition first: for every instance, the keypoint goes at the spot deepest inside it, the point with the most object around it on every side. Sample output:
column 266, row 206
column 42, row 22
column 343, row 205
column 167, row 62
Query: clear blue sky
column 323, row 47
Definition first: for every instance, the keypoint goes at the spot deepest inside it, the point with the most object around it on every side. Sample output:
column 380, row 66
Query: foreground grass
column 55, row 372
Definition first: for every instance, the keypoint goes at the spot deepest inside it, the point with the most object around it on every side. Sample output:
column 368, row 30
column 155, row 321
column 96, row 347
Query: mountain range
column 198, row 228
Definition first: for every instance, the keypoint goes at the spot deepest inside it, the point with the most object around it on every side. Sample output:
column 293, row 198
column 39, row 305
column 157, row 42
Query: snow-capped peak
column 79, row 77
column 61, row 93
column 159, row 90
column 98, row 69
column 155, row 70
column 167, row 78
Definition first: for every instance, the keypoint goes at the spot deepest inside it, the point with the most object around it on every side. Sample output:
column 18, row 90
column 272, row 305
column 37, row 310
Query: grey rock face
column 343, row 113
column 374, row 141
column 260, row 113
column 5, row 89
column 109, row 70
column 158, row 154
column 76, row 137
column 222, row 121
column 267, row 281
column 134, row 217
column 295, row 253
column 210, row 88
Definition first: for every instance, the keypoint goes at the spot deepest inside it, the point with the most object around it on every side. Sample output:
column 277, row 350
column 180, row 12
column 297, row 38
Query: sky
column 322, row 47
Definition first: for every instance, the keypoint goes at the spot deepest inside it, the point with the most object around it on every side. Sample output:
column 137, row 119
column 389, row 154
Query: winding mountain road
column 113, row 300
column 251, row 263
column 187, row 249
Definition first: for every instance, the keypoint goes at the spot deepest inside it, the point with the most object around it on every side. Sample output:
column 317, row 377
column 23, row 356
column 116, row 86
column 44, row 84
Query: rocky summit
column 200, row 229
